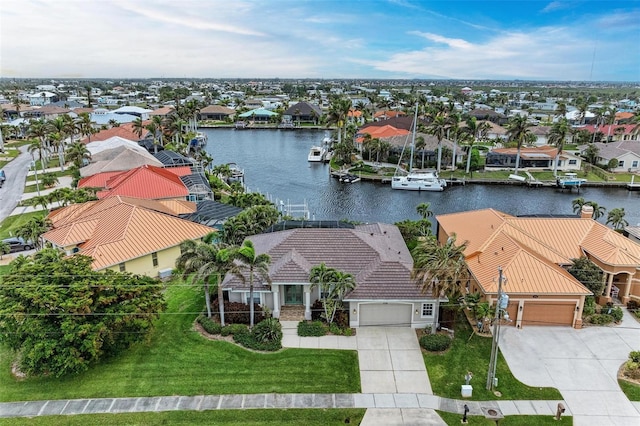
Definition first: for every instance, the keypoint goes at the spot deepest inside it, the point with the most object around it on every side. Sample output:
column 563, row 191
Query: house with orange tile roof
column 375, row 254
column 124, row 233
column 124, row 131
column 534, row 254
column 148, row 182
column 386, row 114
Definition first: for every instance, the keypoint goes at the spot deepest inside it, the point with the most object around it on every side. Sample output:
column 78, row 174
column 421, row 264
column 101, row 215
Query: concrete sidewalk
column 407, row 404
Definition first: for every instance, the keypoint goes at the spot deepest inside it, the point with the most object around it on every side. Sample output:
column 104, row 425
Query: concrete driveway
column 582, row 364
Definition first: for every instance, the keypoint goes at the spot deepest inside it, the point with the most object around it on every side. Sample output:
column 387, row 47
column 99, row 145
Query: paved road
column 11, row 191
column 582, row 364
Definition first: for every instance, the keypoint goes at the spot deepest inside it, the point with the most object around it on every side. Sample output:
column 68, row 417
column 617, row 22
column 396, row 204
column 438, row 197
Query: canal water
column 275, row 164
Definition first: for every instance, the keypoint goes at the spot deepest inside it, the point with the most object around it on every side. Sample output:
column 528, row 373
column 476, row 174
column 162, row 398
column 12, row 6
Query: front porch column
column 627, row 290
column 307, row 302
column 606, row 296
column 275, row 288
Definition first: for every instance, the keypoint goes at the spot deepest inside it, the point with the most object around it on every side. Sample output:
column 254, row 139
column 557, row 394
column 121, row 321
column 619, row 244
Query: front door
column 293, row 295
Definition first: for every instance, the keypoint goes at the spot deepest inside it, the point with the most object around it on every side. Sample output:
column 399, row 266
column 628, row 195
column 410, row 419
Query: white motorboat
column 569, row 180
column 423, row 180
column 317, row 154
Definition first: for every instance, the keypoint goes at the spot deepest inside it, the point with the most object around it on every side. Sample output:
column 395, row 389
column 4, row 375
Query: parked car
column 18, row 244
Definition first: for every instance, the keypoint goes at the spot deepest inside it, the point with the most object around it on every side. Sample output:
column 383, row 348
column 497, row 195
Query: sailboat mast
column 413, row 138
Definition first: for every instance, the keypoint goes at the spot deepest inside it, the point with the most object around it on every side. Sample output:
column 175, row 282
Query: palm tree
column 424, row 210
column 206, row 263
column 77, row 153
column 343, row 284
column 251, row 264
column 577, row 204
column 561, row 109
column 454, row 130
column 323, row 278
column 592, row 153
column 439, row 268
column 138, row 127
column 518, row 132
column 598, row 211
column 420, row 145
column 153, row 129
column 33, row 229
column 85, row 126
column 616, row 218
column 438, row 128
column 557, row 137
column 474, row 129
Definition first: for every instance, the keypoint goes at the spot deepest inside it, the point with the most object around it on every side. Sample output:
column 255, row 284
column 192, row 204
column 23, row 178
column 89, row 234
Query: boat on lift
column 317, row 154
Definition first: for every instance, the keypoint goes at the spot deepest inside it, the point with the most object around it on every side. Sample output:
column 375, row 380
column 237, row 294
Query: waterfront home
column 216, row 113
column 148, row 182
column 125, row 131
column 259, row 115
column 163, row 112
column 302, row 112
column 136, row 111
column 375, row 254
column 534, row 253
column 124, row 233
column 539, row 158
column 626, row 153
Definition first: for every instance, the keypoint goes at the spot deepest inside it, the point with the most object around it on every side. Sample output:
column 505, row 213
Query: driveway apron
column 582, row 364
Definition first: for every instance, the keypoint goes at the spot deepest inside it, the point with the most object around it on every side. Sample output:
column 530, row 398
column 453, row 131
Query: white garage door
column 385, row 314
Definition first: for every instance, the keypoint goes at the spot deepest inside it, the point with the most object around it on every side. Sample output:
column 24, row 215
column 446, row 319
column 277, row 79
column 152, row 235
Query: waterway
column 275, row 163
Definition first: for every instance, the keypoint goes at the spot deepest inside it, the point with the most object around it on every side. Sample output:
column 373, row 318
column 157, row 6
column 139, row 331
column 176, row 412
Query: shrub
column 267, row 331
column 632, row 369
column 311, row 329
column 616, row 313
column 341, row 318
column 317, row 310
column 633, row 305
column 234, row 329
column 600, row 319
column 238, row 313
column 248, row 339
column 589, row 306
column 209, row 325
column 435, row 342
column 335, row 329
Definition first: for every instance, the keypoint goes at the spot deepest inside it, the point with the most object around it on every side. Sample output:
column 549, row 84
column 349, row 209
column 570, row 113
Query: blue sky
column 537, row 40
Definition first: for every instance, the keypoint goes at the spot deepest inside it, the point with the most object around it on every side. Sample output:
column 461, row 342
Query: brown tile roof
column 532, row 251
column 119, row 229
column 162, row 111
column 375, row 254
column 217, row 109
column 529, row 152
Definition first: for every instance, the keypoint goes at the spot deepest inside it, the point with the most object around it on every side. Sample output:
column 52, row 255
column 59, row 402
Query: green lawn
column 179, row 361
column 630, row 389
column 11, row 223
column 455, row 419
column 308, row 417
column 447, row 370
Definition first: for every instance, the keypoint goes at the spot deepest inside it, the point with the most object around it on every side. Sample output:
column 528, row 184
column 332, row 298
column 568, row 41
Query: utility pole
column 501, row 305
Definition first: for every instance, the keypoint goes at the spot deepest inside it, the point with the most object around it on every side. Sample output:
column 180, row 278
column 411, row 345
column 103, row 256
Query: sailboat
column 416, row 180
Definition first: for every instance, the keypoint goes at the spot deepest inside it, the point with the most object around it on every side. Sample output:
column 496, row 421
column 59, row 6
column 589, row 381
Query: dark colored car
column 17, row 244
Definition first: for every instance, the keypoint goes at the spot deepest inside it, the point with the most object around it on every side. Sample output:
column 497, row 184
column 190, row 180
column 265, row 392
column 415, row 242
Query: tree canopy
column 588, row 273
column 60, row 316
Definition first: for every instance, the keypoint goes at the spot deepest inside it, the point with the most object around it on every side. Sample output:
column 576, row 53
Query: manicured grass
column 632, row 390
column 11, row 223
column 447, row 370
column 454, row 419
column 308, row 417
column 177, row 360
column 32, row 178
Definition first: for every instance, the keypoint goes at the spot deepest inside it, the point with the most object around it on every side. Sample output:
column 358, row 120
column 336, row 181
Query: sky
column 322, row 39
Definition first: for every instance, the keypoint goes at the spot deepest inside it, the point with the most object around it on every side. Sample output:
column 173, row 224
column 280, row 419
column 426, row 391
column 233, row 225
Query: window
column 154, row 258
column 256, row 297
column 634, row 164
column 621, row 163
column 122, row 267
column 573, row 162
column 427, row 309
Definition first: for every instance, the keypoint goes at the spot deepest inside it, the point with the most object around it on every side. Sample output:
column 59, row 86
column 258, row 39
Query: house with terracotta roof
column 534, row 254
column 124, row 131
column 614, row 132
column 387, row 114
column 125, row 233
column 375, row 254
column 148, row 182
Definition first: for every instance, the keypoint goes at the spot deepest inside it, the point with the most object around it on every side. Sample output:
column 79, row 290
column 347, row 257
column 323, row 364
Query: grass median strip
column 454, row 419
column 177, row 360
